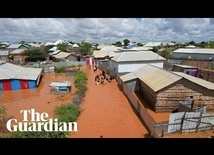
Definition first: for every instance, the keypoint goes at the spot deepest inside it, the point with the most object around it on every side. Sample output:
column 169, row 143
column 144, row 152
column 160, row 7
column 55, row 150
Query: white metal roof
column 75, row 46
column 11, row 71
column 14, row 46
column 144, row 48
column 195, row 50
column 53, row 48
column 55, row 52
column 152, row 44
column 29, row 74
column 137, row 56
column 185, row 66
column 35, row 44
column 111, row 48
column 18, row 51
column 60, row 83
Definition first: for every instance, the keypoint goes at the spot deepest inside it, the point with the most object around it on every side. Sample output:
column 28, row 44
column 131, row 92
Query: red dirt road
column 107, row 112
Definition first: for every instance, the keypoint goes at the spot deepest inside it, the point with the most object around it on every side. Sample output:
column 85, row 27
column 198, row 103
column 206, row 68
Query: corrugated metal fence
column 190, row 122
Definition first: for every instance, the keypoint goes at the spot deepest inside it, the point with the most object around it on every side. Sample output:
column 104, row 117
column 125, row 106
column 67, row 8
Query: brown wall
column 19, row 57
column 150, row 123
column 148, row 94
column 167, row 99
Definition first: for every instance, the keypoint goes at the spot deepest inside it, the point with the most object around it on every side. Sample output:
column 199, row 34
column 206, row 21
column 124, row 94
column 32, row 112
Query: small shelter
column 60, row 87
column 190, row 70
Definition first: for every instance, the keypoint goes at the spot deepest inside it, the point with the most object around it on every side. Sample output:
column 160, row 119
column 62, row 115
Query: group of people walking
column 100, row 78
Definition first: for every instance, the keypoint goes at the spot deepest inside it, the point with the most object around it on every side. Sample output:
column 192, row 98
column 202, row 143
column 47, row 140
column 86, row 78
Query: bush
column 60, row 69
column 67, row 112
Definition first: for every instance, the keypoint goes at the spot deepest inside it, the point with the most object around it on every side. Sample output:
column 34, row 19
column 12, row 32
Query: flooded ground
column 39, row 99
column 106, row 111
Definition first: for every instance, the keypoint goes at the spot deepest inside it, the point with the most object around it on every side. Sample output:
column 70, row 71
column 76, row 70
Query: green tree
column 71, row 42
column 166, row 54
column 86, row 48
column 46, row 49
column 63, row 47
column 118, row 44
column 34, row 55
column 192, row 43
column 203, row 44
column 139, row 44
column 126, row 42
column 211, row 44
column 155, row 49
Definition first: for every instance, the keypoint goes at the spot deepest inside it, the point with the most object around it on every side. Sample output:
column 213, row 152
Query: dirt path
column 107, row 112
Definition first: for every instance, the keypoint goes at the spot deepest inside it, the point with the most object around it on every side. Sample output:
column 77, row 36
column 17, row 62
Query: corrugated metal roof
column 99, row 54
column 55, row 52
column 152, row 44
column 137, row 56
column 195, row 50
column 14, row 46
column 60, row 83
column 156, row 78
column 62, row 55
column 11, row 71
column 185, row 66
column 53, row 48
column 4, row 52
column 75, row 45
column 35, row 44
column 18, row 51
column 144, row 48
column 29, row 74
column 3, row 76
column 127, row 77
column 199, row 81
column 103, row 54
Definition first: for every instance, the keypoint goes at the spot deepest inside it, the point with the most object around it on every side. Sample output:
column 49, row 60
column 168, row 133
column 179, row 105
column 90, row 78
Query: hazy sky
column 106, row 30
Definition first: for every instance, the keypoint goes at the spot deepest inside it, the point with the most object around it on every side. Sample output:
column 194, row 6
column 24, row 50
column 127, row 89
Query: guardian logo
column 39, row 122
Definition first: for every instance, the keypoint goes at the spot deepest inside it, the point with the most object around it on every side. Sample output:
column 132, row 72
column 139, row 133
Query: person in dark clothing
column 104, row 74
